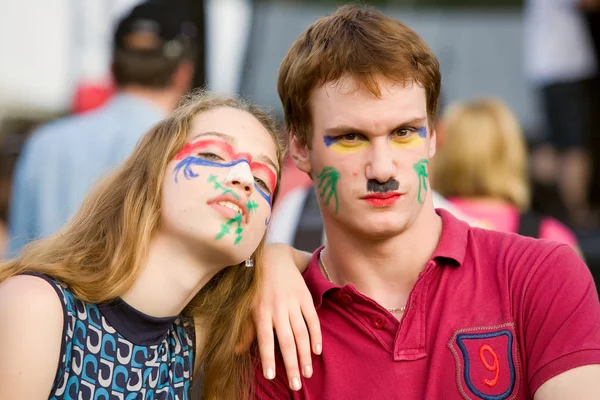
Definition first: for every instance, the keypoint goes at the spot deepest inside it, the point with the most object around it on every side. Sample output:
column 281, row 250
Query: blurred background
column 57, row 55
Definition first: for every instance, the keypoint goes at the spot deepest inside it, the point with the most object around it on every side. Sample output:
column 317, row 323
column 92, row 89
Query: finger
column 287, row 346
column 314, row 325
column 266, row 345
column 302, row 342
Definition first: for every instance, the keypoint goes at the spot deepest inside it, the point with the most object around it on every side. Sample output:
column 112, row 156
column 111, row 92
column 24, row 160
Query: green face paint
column 235, row 221
column 328, row 180
column 225, row 229
column 420, row 168
column 217, row 185
column 252, row 206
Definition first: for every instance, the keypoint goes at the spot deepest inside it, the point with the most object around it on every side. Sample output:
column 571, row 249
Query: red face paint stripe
column 190, row 148
column 271, row 179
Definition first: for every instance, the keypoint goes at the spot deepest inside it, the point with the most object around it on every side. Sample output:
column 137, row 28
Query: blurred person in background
column 153, row 67
column 481, row 168
column 560, row 62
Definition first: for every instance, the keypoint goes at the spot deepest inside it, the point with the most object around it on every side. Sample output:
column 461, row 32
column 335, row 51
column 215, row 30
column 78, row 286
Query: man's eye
column 404, row 132
column 349, row 137
column 262, row 185
column 210, row 156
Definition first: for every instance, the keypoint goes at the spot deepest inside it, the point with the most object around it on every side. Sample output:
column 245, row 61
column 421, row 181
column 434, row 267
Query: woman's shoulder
column 31, row 321
column 25, row 296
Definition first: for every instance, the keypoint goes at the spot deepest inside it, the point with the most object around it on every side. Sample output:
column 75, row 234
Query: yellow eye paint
column 407, row 143
column 339, row 146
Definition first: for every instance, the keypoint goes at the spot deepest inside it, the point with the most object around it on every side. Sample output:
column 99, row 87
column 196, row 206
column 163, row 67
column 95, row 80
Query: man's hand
column 285, row 304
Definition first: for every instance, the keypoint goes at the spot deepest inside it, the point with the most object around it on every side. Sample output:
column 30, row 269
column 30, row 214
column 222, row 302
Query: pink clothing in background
column 505, row 218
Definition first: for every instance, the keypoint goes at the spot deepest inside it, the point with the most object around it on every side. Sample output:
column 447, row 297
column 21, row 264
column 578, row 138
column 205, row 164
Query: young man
column 153, row 67
column 414, row 303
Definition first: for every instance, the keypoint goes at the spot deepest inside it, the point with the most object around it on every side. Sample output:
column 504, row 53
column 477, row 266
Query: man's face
column 369, row 156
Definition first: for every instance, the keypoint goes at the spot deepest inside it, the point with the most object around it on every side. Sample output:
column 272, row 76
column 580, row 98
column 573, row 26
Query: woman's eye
column 210, row 156
column 262, row 185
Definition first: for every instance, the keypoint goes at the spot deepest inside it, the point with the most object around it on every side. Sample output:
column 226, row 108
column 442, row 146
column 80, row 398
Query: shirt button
column 346, row 299
column 378, row 322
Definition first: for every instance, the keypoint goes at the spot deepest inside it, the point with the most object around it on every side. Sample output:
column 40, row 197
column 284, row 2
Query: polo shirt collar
column 450, row 249
column 453, row 240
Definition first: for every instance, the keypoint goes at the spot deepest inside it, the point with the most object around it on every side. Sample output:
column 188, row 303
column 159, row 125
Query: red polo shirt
column 492, row 316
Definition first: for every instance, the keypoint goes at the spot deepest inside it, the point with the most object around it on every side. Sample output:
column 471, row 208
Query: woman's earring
column 249, row 263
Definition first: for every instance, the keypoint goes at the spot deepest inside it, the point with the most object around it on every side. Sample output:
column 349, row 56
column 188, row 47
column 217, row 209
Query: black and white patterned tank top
column 116, row 352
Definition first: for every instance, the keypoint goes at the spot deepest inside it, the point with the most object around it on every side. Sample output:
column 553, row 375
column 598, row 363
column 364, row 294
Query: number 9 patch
column 487, row 362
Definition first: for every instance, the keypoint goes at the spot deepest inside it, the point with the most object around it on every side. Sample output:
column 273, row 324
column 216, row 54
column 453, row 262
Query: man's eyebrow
column 345, row 129
column 227, row 138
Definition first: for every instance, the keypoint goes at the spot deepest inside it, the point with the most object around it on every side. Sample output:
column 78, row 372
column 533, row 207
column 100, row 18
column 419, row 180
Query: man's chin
column 377, row 230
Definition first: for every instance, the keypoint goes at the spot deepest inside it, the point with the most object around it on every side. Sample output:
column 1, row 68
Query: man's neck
column 384, row 270
column 163, row 99
column 170, row 277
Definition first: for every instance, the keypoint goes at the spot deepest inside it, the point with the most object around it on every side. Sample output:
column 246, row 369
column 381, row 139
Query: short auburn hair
column 360, row 42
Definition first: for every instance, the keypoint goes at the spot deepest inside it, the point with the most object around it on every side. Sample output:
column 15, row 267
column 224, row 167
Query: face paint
column 191, row 148
column 410, row 141
column 328, row 180
column 237, row 220
column 375, row 186
column 252, row 206
column 420, row 168
column 225, row 229
column 240, row 173
column 343, row 147
column 188, row 157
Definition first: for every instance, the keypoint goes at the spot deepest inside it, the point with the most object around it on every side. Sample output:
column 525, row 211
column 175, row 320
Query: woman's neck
column 169, row 278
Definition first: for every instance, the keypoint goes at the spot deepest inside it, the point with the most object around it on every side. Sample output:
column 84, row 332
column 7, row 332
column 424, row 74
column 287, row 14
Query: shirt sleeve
column 560, row 316
column 22, row 210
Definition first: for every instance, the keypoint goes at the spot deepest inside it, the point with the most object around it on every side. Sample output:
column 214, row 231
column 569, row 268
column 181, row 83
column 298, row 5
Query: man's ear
column 300, row 154
column 432, row 143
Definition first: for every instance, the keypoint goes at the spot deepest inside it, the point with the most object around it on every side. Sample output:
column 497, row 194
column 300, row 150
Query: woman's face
column 218, row 189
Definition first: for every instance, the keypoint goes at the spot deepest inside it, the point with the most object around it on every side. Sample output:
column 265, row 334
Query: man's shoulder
column 518, row 253
column 62, row 129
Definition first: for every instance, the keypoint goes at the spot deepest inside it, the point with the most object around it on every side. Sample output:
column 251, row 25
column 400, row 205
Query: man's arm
column 559, row 320
column 577, row 383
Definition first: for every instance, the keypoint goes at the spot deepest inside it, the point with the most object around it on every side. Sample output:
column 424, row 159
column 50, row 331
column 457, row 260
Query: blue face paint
column 187, row 163
column 329, row 140
column 422, row 132
column 265, row 196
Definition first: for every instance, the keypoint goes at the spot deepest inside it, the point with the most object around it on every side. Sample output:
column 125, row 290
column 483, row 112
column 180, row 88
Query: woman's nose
column 240, row 176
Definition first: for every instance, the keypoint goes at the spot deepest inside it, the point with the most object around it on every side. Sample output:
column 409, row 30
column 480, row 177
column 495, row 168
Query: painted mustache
column 378, row 187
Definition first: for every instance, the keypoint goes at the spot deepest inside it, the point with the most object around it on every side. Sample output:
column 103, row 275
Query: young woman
column 151, row 278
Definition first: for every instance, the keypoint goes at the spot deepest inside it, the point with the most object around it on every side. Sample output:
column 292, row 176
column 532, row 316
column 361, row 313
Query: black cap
column 156, row 28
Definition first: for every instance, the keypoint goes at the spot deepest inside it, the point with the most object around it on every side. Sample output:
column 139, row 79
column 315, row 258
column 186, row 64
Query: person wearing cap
column 153, row 67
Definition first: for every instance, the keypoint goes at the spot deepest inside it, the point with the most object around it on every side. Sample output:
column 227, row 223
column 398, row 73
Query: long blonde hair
column 482, row 154
column 99, row 254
